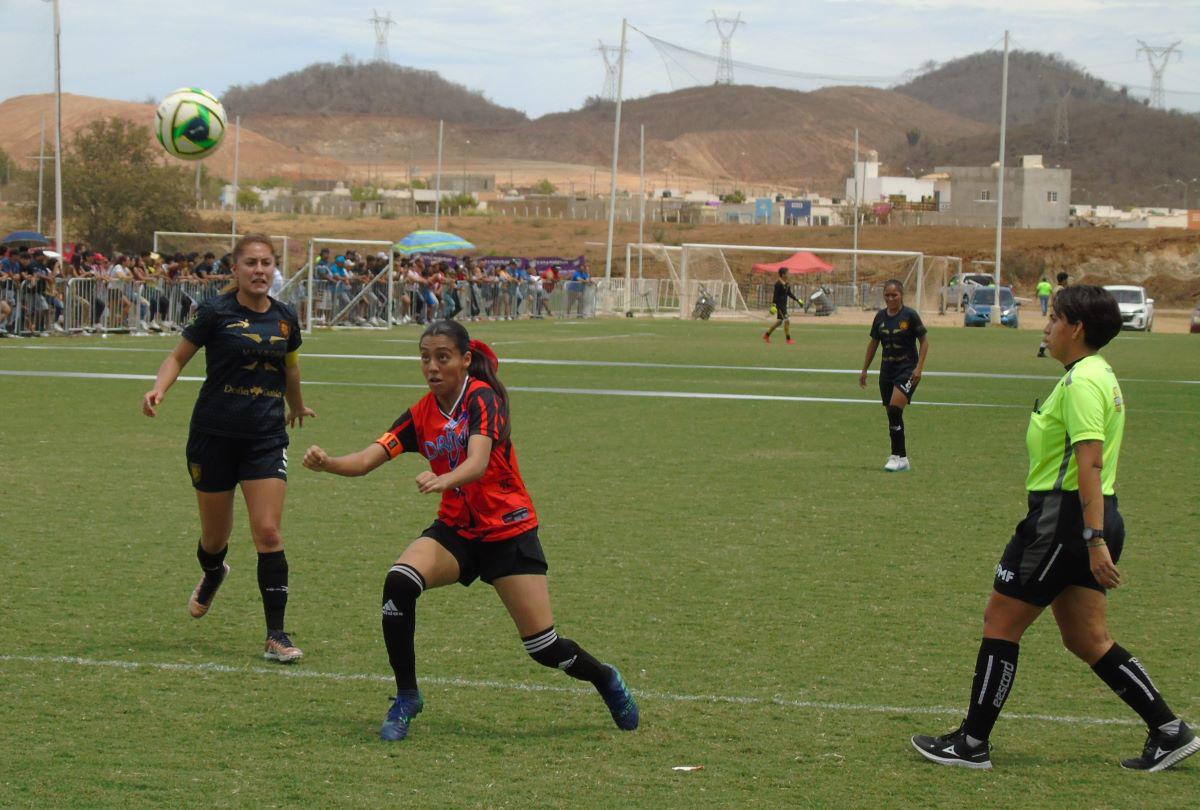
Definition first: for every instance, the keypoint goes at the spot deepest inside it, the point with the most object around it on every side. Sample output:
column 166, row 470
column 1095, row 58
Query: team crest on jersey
column 285, row 329
column 1118, row 400
column 903, row 325
column 194, row 469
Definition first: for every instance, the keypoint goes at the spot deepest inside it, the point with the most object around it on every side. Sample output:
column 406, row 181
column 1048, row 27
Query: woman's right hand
column 1102, row 565
column 150, row 402
column 862, row 380
column 316, row 459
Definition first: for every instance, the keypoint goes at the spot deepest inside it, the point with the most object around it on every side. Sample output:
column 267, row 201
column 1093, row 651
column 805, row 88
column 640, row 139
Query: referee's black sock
column 1126, row 676
column 995, row 670
column 400, row 591
column 273, row 585
column 896, row 426
column 550, row 649
column 213, row 566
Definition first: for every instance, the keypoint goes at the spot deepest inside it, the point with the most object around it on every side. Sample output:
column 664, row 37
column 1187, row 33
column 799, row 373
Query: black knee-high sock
column 550, row 649
column 400, row 591
column 1126, row 676
column 995, row 670
column 896, row 428
column 273, row 585
column 213, row 566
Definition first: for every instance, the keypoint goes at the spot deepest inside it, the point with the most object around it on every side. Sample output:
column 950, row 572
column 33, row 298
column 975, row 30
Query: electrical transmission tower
column 1153, row 55
column 612, row 56
column 1062, row 124
column 725, row 63
column 382, row 25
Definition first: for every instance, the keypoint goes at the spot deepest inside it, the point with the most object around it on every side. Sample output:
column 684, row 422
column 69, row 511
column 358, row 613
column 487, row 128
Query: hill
column 20, row 126
column 367, row 88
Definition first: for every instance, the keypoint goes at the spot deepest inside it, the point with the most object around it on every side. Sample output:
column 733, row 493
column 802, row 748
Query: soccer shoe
column 280, row 648
column 766, row 337
column 953, row 749
column 404, row 708
column 790, row 341
column 620, row 701
column 199, row 604
column 890, row 464
column 1162, row 750
column 902, row 465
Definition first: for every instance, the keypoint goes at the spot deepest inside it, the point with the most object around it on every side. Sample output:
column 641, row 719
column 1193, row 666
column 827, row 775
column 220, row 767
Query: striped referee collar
column 457, row 402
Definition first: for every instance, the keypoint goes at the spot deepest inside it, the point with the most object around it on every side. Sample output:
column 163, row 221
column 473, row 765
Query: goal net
column 682, row 281
column 360, row 291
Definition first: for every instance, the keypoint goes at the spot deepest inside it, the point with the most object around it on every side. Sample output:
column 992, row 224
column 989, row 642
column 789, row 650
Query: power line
column 1153, row 54
column 612, row 56
column 725, row 61
column 382, row 26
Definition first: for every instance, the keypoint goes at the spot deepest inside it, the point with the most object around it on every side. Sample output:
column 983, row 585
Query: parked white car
column 1137, row 311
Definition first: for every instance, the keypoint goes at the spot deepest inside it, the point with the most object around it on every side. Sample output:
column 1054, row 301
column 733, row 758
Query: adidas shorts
column 1047, row 554
column 897, row 378
column 490, row 560
column 218, row 463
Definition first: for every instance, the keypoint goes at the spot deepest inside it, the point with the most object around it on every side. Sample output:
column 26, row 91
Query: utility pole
column 1155, row 53
column 612, row 195
column 725, row 62
column 437, row 194
column 1062, row 126
column 611, row 55
column 997, row 312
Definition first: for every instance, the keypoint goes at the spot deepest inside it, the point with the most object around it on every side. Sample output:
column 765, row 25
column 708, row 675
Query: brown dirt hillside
column 719, row 133
column 20, row 125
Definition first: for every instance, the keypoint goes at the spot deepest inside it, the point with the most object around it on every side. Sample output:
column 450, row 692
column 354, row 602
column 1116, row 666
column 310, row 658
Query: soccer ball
column 190, row 123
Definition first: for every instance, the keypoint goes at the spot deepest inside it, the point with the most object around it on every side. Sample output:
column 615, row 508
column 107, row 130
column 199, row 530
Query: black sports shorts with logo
column 490, row 560
column 218, row 463
column 901, row 378
column 1047, row 554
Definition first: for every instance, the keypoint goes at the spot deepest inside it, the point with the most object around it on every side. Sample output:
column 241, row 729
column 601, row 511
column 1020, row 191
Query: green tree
column 364, row 193
column 7, row 168
column 544, row 186
column 464, row 201
column 736, row 197
column 116, row 192
column 248, row 198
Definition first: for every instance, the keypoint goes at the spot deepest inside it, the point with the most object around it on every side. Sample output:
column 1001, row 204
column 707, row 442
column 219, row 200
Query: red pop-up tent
column 802, row 262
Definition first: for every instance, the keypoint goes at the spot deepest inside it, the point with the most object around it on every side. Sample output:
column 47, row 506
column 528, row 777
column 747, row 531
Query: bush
column 462, row 200
column 544, row 186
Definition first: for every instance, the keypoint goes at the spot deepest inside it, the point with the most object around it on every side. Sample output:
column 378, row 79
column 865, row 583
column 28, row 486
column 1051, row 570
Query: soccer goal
column 673, row 279
column 363, row 297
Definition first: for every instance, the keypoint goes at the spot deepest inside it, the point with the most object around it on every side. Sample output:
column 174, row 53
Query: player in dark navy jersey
column 779, row 302
column 238, row 430
column 486, row 526
column 899, row 329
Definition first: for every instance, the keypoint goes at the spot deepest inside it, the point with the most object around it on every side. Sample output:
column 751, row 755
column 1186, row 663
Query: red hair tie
column 479, row 347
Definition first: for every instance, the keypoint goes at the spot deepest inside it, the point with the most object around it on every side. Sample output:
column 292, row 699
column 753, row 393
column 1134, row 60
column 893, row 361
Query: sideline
column 517, row 686
column 602, row 392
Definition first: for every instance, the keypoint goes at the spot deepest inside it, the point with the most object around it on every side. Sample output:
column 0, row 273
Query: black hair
column 480, row 367
column 1062, row 277
column 1095, row 308
column 781, row 271
column 895, row 282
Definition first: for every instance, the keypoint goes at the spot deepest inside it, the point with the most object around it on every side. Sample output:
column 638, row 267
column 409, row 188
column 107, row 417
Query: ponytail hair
column 484, row 364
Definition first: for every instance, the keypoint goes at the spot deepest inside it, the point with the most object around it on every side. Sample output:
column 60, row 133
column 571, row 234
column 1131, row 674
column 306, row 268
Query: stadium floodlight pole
column 641, row 201
column 41, row 173
column 854, row 261
column 997, row 313
column 237, row 149
column 58, row 200
column 612, row 194
column 437, row 194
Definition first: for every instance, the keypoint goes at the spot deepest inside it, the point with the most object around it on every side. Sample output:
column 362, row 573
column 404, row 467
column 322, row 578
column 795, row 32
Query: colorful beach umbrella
column 431, row 242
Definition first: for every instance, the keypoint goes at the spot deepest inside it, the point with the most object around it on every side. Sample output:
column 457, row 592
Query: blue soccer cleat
column 620, row 701
column 405, row 707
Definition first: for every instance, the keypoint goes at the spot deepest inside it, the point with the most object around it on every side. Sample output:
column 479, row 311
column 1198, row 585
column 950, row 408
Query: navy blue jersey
column 245, row 355
column 898, row 335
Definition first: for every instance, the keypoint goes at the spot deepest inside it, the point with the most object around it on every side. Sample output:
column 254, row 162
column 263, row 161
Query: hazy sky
column 539, row 55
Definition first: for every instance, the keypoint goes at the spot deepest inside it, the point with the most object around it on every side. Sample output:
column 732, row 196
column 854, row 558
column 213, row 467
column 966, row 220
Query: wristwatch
column 1090, row 534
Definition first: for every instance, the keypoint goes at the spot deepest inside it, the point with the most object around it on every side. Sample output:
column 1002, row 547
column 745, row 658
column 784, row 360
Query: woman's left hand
column 428, row 482
column 916, row 376
column 299, row 416
column 1103, row 568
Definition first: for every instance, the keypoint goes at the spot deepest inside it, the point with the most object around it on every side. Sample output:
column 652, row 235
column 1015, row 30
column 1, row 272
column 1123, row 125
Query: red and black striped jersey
column 497, row 506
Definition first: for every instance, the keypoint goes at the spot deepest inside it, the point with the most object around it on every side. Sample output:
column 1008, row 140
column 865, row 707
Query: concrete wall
column 973, row 197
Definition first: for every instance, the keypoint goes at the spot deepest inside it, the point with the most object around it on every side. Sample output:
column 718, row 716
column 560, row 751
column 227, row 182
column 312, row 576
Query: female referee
column 486, row 527
column 238, row 433
column 899, row 329
column 1064, row 553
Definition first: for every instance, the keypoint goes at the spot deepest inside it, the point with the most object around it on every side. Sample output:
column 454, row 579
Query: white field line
column 603, row 392
column 516, row 686
column 979, row 375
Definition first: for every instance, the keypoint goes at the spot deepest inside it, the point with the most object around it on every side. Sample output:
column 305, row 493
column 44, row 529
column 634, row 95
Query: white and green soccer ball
column 190, row 123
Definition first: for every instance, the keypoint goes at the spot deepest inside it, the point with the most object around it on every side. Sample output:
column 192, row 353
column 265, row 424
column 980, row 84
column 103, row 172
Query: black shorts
column 1047, row 554
column 218, row 463
column 490, row 560
column 897, row 378
column 781, row 312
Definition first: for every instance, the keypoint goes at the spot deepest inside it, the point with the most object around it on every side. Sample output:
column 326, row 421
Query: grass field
column 788, row 613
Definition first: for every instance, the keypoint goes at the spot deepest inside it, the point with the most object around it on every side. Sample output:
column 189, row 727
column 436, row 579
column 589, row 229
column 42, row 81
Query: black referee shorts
column 897, row 378
column 218, row 463
column 490, row 560
column 1047, row 554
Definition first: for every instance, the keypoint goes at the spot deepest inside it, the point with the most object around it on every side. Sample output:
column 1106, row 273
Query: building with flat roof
column 1034, row 196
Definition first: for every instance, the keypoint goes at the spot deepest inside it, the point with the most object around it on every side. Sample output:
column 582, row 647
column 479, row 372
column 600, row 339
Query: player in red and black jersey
column 238, row 433
column 486, row 526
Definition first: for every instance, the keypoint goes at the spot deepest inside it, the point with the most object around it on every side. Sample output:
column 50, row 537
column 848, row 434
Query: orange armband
column 391, row 445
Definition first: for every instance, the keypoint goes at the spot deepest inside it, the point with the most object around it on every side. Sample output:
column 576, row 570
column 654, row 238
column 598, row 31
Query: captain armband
column 391, row 444
column 292, row 359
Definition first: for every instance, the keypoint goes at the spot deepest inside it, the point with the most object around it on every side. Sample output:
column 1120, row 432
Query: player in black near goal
column 779, row 304
column 900, row 330
column 238, row 432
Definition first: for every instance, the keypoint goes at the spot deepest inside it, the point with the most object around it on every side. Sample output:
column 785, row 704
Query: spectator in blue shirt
column 576, row 288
